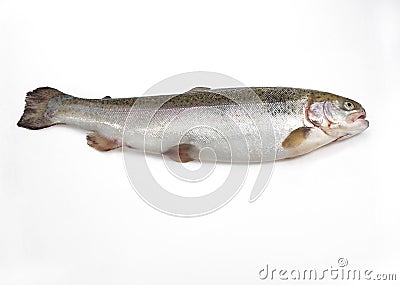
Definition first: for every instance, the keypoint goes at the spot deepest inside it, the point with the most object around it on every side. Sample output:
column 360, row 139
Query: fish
column 237, row 124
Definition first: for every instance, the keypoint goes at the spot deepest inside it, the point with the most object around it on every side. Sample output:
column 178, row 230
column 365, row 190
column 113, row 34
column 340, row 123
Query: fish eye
column 348, row 105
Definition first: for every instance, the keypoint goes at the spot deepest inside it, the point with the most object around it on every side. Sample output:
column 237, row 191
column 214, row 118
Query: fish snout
column 358, row 115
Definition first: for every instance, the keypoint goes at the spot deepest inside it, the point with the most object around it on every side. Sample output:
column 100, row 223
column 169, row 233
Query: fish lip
column 364, row 122
column 360, row 124
column 361, row 115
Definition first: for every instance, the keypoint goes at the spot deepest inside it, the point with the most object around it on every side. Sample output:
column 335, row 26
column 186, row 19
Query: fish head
column 337, row 116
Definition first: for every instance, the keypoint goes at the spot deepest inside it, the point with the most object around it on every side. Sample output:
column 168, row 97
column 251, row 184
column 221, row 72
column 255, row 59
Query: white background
column 67, row 212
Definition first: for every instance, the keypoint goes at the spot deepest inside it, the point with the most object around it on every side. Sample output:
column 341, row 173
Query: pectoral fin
column 296, row 137
column 183, row 153
column 101, row 143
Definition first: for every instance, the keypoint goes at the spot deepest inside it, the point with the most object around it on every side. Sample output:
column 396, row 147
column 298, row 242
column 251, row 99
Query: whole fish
column 229, row 124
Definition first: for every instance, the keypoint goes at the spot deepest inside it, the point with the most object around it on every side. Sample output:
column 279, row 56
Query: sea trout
column 240, row 125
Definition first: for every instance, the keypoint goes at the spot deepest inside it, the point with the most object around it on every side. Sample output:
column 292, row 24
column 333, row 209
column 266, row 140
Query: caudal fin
column 38, row 108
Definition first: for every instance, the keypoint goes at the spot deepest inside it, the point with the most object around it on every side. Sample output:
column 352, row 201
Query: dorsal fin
column 197, row 89
column 107, row 97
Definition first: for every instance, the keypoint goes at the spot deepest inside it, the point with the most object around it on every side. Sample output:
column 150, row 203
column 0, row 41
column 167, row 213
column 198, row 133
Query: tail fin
column 37, row 108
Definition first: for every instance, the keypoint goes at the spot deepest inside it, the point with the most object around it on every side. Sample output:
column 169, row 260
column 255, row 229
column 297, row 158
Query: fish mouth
column 357, row 122
column 360, row 115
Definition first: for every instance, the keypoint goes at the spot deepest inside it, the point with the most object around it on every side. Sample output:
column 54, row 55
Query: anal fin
column 101, row 143
column 183, row 153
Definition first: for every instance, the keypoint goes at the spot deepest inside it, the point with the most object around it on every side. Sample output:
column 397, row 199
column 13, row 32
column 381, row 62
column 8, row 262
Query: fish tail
column 40, row 104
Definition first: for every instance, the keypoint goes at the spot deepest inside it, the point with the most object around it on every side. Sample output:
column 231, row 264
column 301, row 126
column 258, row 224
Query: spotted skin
column 276, row 122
